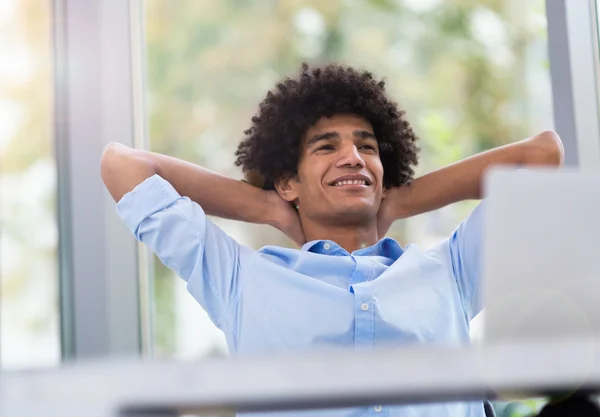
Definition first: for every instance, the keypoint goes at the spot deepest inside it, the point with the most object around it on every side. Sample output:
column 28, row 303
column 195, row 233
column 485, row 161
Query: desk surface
column 325, row 379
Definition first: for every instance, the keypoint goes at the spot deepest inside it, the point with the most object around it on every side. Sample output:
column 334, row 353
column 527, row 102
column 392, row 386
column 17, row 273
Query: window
column 470, row 76
column 29, row 325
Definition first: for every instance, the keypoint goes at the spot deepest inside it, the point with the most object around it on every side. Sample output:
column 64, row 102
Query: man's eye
column 371, row 147
column 325, row 148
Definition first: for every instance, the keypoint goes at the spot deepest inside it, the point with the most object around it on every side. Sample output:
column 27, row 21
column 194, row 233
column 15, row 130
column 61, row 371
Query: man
column 331, row 158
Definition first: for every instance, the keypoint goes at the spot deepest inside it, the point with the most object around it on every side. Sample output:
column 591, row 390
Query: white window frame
column 94, row 105
column 574, row 70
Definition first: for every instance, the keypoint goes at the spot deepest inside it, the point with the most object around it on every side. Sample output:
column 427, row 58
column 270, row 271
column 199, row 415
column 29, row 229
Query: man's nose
column 350, row 157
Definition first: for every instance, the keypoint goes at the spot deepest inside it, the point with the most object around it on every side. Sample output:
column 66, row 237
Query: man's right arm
column 124, row 168
column 463, row 180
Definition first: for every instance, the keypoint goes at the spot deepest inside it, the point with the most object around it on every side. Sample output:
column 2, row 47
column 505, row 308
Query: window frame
column 94, row 105
column 574, row 67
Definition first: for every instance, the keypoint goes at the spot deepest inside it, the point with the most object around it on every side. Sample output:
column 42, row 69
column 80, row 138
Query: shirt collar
column 386, row 247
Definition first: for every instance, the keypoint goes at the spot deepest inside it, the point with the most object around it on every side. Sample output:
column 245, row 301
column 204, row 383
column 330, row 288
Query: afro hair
column 273, row 144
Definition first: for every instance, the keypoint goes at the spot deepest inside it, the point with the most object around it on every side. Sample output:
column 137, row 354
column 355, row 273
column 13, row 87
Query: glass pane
column 29, row 326
column 470, row 75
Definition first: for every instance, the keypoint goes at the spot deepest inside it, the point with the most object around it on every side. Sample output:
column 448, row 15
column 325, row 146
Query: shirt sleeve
column 466, row 250
column 178, row 232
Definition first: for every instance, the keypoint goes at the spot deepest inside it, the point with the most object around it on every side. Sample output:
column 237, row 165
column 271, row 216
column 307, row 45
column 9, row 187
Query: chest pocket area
column 417, row 301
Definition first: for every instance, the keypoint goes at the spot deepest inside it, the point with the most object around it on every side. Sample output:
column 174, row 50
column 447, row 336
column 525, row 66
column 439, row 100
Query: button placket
column 364, row 307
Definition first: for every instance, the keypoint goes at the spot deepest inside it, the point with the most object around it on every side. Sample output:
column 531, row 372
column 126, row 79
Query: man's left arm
column 463, row 180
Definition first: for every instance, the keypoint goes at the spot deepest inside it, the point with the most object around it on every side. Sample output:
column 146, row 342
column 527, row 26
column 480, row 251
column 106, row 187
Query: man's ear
column 384, row 193
column 287, row 189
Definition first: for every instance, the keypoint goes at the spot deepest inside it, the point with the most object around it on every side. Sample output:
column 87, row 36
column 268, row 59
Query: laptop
column 541, row 262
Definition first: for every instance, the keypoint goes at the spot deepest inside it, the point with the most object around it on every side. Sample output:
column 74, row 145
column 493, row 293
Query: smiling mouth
column 350, row 182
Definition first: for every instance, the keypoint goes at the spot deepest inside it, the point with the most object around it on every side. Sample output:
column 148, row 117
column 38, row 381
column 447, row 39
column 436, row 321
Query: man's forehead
column 341, row 121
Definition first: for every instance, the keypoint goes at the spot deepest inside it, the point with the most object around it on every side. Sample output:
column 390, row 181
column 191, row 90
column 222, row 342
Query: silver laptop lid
column 541, row 264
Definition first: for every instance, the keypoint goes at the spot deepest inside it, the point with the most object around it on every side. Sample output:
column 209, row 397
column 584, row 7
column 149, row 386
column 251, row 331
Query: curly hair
column 273, row 144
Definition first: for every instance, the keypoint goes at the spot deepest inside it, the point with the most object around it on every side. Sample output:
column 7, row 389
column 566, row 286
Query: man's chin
column 355, row 213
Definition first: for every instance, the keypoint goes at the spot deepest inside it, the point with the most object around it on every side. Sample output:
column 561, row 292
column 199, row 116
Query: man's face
column 340, row 176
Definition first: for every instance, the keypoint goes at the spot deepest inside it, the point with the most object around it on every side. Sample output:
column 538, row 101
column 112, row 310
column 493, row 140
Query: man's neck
column 350, row 238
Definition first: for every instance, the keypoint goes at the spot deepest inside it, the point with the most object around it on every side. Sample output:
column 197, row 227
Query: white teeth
column 350, row 182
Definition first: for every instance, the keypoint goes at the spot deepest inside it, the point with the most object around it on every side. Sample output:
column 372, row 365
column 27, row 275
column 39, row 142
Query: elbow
column 108, row 154
column 117, row 169
column 549, row 149
column 123, row 168
column 109, row 161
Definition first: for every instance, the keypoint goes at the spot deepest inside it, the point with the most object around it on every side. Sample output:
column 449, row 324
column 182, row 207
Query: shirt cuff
column 147, row 198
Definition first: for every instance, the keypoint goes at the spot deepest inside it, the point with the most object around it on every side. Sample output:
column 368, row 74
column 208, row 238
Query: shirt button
column 364, row 306
column 378, row 408
column 327, row 246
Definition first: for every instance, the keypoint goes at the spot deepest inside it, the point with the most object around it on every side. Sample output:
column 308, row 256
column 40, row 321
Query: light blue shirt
column 289, row 300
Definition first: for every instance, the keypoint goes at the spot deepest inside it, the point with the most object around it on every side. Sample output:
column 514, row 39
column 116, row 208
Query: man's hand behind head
column 285, row 218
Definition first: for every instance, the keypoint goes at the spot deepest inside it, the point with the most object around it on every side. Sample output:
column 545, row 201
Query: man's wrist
column 261, row 206
column 269, row 213
column 399, row 202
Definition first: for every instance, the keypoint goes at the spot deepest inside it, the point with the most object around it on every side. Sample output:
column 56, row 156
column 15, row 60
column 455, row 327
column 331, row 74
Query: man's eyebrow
column 322, row 136
column 365, row 134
